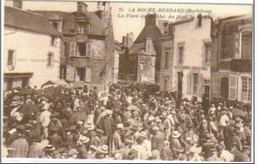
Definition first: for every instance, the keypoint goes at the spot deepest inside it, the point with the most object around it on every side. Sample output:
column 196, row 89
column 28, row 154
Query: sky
column 131, row 23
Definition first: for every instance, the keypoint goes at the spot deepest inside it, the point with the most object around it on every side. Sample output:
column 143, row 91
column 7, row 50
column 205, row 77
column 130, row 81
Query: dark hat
column 132, row 154
column 49, row 148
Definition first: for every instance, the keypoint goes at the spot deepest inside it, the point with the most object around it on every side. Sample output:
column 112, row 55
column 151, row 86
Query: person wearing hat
column 107, row 123
column 157, row 139
column 166, row 153
column 115, row 140
column 48, row 151
column 102, row 152
column 19, row 147
column 141, row 147
column 82, row 148
column 36, row 149
column 175, row 143
column 45, row 119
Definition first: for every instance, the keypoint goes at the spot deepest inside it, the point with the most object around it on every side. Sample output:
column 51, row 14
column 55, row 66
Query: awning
column 18, row 75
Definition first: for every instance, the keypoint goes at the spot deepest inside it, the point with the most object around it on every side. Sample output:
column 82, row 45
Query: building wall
column 31, row 55
column 226, row 36
column 146, row 69
column 166, row 73
column 193, row 40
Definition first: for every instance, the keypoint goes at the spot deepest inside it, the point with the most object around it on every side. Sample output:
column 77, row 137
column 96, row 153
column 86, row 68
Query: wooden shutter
column 232, row 87
column 189, row 83
column 70, row 74
column 73, row 48
column 201, row 85
column 88, row 74
column 88, row 49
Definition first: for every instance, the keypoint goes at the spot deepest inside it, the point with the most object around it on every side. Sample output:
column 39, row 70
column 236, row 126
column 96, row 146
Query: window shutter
column 201, row 84
column 88, row 49
column 70, row 73
column 62, row 49
column 14, row 58
column 52, row 60
column 73, row 50
column 189, row 83
column 88, row 74
column 232, row 87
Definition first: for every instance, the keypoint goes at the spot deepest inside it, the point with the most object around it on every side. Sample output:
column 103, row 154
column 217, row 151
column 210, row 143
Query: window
column 63, row 71
column 207, row 53
column 10, row 60
column 246, row 44
column 180, row 55
column 73, row 48
column 89, row 49
column 82, row 49
column 141, row 66
column 50, row 60
column 55, row 24
column 53, row 41
column 82, row 29
column 195, row 83
column 166, row 58
column 81, row 74
column 246, row 88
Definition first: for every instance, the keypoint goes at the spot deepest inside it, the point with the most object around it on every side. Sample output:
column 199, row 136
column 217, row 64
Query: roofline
column 25, row 29
column 234, row 18
column 27, row 11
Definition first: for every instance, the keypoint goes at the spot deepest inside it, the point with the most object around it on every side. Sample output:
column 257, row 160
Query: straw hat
column 103, row 149
column 49, row 148
column 176, row 134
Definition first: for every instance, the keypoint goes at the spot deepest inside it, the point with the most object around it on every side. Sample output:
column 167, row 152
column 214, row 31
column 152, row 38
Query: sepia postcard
column 110, row 81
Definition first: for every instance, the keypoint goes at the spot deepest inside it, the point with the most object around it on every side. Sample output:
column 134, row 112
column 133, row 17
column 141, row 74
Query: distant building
column 185, row 57
column 232, row 58
column 88, row 49
column 31, row 53
column 141, row 61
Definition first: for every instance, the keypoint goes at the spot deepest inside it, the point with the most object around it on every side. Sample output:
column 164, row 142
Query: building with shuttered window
column 232, row 58
column 88, row 47
column 31, row 54
column 140, row 61
column 185, row 57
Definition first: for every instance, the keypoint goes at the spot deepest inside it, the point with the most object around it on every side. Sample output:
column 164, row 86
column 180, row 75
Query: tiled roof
column 26, row 20
column 148, row 31
column 97, row 27
column 136, row 48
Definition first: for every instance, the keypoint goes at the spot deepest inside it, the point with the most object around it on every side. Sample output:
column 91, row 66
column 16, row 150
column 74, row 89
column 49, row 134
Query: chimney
column 18, row 4
column 130, row 39
column 82, row 7
column 150, row 19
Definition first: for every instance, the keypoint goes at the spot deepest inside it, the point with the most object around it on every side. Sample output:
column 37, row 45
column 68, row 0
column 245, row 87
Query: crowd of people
column 124, row 124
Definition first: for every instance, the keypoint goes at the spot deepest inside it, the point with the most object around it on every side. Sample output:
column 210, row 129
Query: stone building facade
column 88, row 47
column 185, row 57
column 31, row 54
column 232, row 58
column 141, row 61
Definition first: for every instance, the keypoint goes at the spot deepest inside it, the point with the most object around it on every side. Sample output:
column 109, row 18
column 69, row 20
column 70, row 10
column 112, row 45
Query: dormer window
column 82, row 28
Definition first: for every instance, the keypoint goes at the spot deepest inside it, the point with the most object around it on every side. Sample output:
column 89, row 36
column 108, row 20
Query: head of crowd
column 129, row 122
